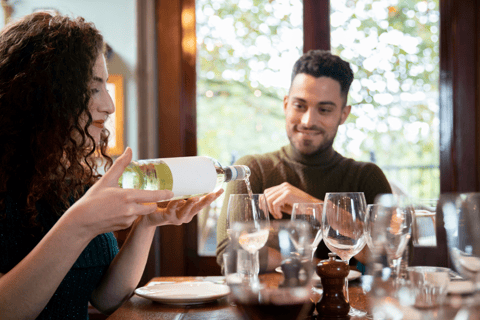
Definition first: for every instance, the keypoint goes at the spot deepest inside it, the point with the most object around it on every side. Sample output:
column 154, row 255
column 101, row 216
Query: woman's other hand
column 177, row 212
column 106, row 207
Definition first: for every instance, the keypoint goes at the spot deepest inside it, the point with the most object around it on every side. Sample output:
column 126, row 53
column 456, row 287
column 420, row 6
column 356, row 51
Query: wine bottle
column 185, row 176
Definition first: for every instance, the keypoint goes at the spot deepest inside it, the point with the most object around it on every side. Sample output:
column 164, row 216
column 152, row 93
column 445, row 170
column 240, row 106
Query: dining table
column 137, row 307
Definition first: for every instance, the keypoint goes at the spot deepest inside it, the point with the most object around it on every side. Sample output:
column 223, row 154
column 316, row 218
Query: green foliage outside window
column 246, row 49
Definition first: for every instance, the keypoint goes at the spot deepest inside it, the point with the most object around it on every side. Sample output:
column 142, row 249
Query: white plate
column 184, row 293
column 352, row 275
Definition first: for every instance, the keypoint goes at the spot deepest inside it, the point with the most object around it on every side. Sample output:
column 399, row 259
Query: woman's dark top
column 70, row 300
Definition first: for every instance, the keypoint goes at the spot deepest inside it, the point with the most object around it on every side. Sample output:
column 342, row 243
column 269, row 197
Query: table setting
column 301, row 287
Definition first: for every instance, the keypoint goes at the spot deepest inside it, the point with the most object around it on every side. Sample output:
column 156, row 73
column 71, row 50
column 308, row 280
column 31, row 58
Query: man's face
column 314, row 108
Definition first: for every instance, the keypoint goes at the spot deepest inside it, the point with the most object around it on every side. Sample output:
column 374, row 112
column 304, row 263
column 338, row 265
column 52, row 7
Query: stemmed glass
column 343, row 228
column 461, row 214
column 286, row 297
column 372, row 236
column 397, row 212
column 248, row 222
column 312, row 214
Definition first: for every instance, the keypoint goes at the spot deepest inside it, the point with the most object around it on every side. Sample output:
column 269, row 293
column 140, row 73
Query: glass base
column 355, row 313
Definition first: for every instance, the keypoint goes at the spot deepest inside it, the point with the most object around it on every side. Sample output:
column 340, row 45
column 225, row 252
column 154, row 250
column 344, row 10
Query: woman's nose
column 108, row 106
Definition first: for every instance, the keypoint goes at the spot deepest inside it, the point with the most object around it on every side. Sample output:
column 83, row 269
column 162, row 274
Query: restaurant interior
column 153, row 63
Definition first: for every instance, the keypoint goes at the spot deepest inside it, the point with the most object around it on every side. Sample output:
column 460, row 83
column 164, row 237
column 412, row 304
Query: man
column 309, row 167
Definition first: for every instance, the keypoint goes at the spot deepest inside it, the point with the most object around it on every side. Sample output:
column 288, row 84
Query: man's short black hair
column 320, row 63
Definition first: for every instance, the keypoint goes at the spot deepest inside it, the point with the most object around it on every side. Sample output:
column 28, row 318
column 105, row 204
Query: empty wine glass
column 248, row 218
column 461, row 214
column 373, row 236
column 397, row 212
column 312, row 214
column 343, row 228
column 286, row 295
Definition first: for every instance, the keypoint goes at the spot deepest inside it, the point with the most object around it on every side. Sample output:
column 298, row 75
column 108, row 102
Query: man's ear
column 345, row 112
column 285, row 103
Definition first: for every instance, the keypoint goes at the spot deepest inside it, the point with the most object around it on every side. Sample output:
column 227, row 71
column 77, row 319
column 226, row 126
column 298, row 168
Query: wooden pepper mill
column 333, row 303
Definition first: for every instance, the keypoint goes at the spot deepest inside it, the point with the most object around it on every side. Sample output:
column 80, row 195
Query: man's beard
column 320, row 149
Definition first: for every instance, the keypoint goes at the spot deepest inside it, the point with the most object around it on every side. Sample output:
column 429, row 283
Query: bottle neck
column 236, row 173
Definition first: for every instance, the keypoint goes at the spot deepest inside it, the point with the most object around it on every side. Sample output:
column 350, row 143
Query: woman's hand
column 106, row 207
column 178, row 212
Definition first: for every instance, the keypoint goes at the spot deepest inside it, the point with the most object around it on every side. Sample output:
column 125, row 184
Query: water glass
column 429, row 286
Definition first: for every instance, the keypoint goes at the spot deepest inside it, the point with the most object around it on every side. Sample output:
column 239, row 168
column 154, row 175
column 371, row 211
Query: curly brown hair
column 46, row 153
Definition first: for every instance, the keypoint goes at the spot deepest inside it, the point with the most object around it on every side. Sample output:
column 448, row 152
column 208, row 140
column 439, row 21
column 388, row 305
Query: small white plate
column 184, row 293
column 352, row 275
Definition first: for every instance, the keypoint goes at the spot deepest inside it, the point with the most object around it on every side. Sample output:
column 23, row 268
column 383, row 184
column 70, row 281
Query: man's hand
column 282, row 197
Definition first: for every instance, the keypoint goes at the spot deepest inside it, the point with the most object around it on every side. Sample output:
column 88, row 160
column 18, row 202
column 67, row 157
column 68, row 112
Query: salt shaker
column 333, row 303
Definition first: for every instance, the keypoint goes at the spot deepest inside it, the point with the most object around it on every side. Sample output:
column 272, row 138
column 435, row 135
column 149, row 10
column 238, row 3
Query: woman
column 57, row 214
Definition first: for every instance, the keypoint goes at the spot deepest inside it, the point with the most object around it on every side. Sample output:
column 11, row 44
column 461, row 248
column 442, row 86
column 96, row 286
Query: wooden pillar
column 176, row 49
column 459, row 105
column 316, row 25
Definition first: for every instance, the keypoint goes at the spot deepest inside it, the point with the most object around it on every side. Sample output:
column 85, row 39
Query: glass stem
column 254, row 257
column 347, row 296
column 396, row 263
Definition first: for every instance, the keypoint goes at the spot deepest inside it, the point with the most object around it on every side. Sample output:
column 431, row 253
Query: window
column 246, row 50
column 393, row 48
column 244, row 47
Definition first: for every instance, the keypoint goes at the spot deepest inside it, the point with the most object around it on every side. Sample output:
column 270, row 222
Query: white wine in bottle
column 185, row 176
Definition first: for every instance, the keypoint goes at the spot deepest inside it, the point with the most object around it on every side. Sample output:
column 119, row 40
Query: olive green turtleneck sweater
column 316, row 175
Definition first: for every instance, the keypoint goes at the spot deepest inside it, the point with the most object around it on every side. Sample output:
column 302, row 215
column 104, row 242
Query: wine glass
column 397, row 214
column 312, row 214
column 248, row 220
column 461, row 214
column 343, row 228
column 372, row 232
column 286, row 295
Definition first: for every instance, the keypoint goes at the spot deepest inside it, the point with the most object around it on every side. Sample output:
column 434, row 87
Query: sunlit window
column 246, row 50
column 392, row 46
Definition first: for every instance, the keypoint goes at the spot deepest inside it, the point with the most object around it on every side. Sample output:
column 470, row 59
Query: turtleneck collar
column 318, row 159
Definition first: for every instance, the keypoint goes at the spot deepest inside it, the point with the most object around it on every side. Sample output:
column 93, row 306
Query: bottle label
column 191, row 175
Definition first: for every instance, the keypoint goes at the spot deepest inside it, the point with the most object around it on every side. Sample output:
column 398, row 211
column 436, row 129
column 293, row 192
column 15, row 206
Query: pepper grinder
column 333, row 303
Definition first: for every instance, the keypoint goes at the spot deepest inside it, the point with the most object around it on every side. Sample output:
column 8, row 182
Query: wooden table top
column 140, row 308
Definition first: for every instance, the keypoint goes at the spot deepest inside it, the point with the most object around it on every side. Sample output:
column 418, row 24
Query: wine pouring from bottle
column 186, row 176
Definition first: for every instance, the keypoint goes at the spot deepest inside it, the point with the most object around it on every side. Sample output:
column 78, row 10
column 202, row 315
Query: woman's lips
column 98, row 123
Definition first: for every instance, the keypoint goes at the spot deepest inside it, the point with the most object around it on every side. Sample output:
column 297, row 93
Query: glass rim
column 347, row 192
